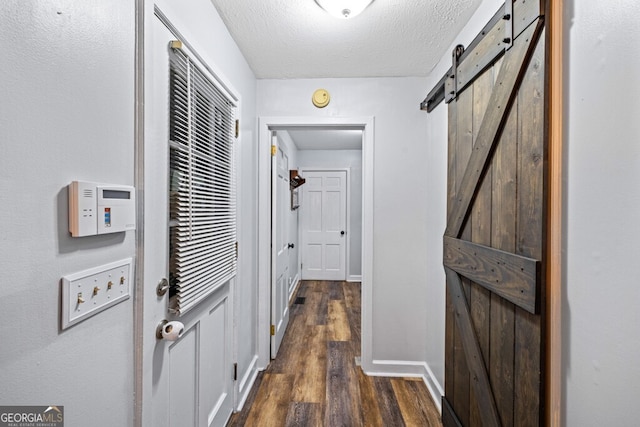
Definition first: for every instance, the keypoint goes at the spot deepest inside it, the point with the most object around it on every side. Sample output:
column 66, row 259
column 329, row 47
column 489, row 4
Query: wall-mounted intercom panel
column 100, row 208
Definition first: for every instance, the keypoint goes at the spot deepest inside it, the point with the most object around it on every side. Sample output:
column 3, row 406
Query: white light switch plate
column 90, row 291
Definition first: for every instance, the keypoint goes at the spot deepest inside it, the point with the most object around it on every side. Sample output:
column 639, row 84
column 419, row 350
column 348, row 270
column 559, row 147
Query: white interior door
column 187, row 382
column 280, row 205
column 323, row 218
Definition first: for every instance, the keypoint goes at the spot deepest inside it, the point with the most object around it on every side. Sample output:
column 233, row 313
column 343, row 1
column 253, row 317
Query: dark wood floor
column 315, row 380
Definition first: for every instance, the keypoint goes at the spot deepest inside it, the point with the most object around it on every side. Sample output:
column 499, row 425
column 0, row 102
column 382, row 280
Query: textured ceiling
column 297, row 39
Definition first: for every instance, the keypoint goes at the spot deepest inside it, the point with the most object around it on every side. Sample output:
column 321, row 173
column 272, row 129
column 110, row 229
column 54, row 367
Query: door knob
column 169, row 331
column 342, row 233
column 291, row 246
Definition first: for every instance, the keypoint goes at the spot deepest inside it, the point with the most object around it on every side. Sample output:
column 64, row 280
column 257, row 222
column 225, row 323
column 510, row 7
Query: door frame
column 556, row 213
column 138, row 293
column 265, row 126
column 347, row 228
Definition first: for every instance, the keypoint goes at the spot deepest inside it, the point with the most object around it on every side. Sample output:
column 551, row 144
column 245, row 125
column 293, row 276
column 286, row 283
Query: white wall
column 399, row 253
column 351, row 159
column 601, row 319
column 66, row 113
column 202, row 26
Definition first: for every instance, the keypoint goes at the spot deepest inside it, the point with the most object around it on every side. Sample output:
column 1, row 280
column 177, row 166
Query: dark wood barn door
column 494, row 244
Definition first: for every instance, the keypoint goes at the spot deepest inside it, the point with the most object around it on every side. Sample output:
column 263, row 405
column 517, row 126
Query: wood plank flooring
column 315, row 381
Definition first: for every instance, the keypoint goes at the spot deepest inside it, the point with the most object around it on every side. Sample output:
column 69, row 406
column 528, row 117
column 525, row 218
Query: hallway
column 315, row 380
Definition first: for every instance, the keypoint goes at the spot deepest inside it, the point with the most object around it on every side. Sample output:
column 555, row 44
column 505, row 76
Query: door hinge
column 235, row 372
column 237, row 127
column 273, row 330
column 274, row 150
column 236, row 250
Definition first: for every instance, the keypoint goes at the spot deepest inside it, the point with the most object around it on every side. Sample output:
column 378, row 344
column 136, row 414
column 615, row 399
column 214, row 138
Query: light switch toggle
column 88, row 292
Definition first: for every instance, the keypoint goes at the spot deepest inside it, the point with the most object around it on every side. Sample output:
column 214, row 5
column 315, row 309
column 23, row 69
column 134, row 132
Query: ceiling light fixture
column 344, row 9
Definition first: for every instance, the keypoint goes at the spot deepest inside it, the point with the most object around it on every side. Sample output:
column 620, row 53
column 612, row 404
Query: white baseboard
column 294, row 284
column 434, row 387
column 246, row 382
column 354, row 278
column 401, row 368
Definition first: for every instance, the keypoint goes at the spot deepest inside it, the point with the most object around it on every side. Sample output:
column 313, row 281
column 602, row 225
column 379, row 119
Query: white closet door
column 323, row 225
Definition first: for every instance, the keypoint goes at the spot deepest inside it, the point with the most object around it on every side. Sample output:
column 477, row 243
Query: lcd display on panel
column 116, row 194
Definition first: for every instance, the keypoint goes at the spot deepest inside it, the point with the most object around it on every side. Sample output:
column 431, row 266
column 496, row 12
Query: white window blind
column 202, row 228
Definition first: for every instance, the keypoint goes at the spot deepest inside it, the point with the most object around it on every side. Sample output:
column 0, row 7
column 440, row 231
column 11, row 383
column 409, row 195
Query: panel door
column 494, row 244
column 187, row 382
column 280, row 205
column 323, row 218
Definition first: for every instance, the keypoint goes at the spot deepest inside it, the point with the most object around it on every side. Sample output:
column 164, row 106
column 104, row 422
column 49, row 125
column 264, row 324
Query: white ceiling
column 326, row 139
column 297, row 39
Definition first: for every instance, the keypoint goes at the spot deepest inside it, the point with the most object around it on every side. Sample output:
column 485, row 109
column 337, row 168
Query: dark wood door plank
column 480, row 379
column 449, row 369
column 513, row 277
column 491, row 44
column 489, row 48
column 464, row 147
column 480, row 301
column 502, row 98
column 503, row 236
column 528, row 370
column 525, row 12
column 449, row 418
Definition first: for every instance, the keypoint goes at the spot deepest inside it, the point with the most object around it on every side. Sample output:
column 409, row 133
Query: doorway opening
column 296, row 126
column 316, row 214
